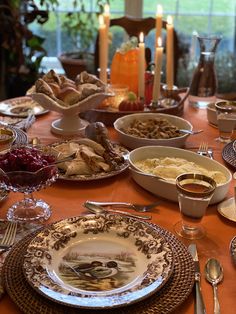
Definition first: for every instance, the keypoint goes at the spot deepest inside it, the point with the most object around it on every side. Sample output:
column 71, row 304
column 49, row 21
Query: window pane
column 205, row 17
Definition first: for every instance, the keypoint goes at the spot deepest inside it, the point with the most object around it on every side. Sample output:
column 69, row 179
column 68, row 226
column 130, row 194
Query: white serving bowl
column 167, row 189
column 134, row 142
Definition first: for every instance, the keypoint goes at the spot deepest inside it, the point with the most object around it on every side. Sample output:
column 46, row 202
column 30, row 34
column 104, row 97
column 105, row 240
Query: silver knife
column 199, row 307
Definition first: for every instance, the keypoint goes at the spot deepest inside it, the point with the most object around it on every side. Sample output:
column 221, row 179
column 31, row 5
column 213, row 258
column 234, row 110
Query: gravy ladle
column 214, row 275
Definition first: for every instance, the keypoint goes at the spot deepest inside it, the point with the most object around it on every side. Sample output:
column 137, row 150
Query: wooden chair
column 133, row 27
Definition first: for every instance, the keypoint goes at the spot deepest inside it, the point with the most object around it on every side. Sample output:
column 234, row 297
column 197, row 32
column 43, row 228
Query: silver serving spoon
column 190, row 132
column 67, row 158
column 214, row 275
column 96, row 209
column 154, row 176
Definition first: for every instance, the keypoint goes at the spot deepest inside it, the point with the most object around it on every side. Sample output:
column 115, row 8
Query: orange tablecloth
column 67, row 198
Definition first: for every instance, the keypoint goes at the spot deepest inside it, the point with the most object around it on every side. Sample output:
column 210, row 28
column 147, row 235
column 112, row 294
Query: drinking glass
column 226, row 119
column 194, row 194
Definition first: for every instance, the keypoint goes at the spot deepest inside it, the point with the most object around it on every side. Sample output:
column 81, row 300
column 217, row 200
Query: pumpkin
column 124, row 69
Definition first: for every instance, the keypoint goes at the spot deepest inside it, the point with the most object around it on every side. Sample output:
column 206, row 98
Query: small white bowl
column 211, row 114
column 167, row 189
column 134, row 142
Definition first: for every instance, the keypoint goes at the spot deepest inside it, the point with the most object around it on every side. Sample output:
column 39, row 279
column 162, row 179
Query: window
column 211, row 16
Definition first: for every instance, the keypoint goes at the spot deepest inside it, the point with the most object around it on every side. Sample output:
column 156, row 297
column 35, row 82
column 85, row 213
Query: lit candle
column 141, row 66
column 102, row 50
column 106, row 16
column 158, row 22
column 169, row 53
column 157, row 74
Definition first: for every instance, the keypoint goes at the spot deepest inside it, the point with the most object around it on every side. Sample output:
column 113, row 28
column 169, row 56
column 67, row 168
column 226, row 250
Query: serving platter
column 98, row 261
column 98, row 175
column 21, row 107
column 109, row 115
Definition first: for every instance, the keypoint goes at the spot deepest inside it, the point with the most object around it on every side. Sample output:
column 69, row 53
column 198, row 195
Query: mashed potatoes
column 171, row 168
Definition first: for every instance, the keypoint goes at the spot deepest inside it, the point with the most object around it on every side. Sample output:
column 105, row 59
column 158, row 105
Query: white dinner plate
column 20, row 107
column 228, row 209
column 98, row 261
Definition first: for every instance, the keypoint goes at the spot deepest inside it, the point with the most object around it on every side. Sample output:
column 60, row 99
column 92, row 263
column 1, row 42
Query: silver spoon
column 67, row 158
column 154, row 176
column 214, row 275
column 190, row 132
column 101, row 210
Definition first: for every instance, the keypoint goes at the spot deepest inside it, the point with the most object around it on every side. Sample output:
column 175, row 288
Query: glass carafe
column 204, row 82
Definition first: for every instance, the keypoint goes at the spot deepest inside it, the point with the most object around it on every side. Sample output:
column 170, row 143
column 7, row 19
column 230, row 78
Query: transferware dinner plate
column 20, row 107
column 98, row 261
column 233, row 249
column 99, row 175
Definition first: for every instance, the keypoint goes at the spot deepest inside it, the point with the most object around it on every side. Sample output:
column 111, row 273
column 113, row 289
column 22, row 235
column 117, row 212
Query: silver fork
column 204, row 150
column 9, row 236
column 136, row 207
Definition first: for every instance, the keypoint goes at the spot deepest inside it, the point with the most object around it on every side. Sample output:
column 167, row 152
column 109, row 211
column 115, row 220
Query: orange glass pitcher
column 124, row 69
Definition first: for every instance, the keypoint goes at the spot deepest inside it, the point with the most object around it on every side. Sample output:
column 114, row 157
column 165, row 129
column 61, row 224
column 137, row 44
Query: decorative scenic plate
column 99, row 175
column 98, row 261
column 20, row 107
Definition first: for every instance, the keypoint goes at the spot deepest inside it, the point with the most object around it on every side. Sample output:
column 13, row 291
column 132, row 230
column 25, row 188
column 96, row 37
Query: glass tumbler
column 194, row 194
column 226, row 119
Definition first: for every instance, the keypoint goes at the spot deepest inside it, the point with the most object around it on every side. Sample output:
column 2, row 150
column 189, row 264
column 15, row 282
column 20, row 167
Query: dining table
column 67, row 198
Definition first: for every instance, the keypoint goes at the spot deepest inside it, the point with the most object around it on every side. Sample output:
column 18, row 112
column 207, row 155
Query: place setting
column 118, row 277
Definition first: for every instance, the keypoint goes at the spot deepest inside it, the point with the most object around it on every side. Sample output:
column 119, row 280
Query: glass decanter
column 204, row 82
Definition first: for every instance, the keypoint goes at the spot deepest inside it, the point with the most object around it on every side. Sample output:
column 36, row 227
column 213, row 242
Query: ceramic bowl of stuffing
column 145, row 129
column 168, row 163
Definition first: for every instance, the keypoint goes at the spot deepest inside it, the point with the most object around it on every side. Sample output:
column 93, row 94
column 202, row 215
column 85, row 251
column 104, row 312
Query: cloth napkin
column 22, row 230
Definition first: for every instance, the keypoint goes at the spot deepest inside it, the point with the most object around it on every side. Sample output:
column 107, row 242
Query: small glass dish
column 28, row 181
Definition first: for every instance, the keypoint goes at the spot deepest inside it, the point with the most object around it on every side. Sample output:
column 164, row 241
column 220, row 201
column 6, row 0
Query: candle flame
column 159, row 9
column 101, row 20
column 169, row 20
column 159, row 42
column 141, row 37
column 107, row 9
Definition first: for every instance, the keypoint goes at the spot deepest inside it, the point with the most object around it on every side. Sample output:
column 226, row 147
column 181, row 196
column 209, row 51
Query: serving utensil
column 199, row 307
column 154, row 176
column 191, row 132
column 136, row 207
column 96, row 209
column 67, row 158
column 214, row 275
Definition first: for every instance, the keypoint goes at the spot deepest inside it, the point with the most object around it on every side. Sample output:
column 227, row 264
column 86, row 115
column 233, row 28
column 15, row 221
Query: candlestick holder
column 169, row 95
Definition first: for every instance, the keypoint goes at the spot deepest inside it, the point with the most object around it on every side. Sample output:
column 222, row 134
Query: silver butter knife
column 199, row 307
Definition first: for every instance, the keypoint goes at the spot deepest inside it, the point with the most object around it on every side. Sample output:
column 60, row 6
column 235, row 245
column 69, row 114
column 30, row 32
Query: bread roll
column 69, row 95
column 55, row 88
